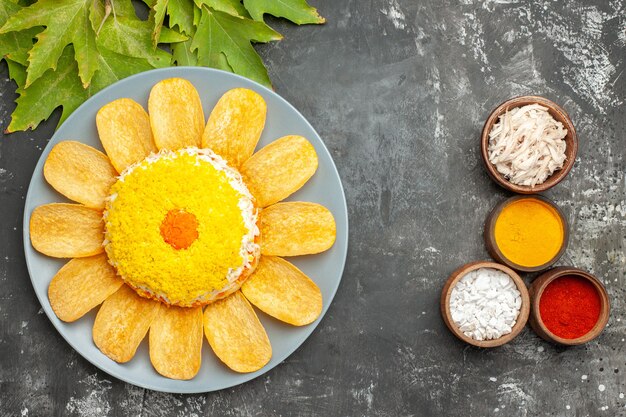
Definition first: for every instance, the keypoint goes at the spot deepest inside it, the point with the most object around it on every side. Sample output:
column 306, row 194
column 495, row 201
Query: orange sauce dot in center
column 179, row 229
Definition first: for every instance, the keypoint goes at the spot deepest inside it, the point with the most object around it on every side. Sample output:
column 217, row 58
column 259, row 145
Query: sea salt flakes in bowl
column 485, row 304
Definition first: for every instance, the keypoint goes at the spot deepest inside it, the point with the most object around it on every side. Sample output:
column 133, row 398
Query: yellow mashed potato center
column 174, row 228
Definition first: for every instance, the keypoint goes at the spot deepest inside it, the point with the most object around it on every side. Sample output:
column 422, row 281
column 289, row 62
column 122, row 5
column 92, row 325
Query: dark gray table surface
column 398, row 90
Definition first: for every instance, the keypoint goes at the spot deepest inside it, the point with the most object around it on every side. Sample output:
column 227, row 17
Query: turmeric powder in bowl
column 528, row 233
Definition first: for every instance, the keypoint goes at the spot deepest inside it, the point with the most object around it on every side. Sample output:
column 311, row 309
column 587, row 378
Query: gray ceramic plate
column 324, row 188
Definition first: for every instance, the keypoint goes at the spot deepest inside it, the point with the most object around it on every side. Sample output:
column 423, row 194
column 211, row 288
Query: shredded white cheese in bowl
column 527, row 145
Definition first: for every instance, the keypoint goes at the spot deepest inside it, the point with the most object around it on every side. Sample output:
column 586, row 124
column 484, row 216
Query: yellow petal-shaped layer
column 281, row 290
column 80, row 172
column 279, row 169
column 236, row 335
column 296, row 228
column 81, row 285
column 176, row 114
column 125, row 132
column 176, row 342
column 235, row 125
column 122, row 323
column 65, row 230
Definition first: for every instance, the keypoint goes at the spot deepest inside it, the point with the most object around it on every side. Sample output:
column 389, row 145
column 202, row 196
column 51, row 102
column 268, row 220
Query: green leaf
column 183, row 55
column 220, row 34
column 180, row 13
column 115, row 67
column 132, row 37
column 197, row 15
column 171, row 36
column 222, row 63
column 15, row 45
column 232, row 7
column 17, row 48
column 298, row 11
column 67, row 22
column 17, row 72
column 57, row 60
column 158, row 15
column 35, row 103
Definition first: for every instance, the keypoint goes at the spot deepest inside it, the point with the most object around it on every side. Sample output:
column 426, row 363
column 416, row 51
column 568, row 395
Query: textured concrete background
column 399, row 91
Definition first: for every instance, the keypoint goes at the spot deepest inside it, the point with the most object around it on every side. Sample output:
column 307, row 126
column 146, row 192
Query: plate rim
column 45, row 305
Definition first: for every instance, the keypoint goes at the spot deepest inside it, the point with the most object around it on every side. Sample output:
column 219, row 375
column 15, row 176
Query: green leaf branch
column 61, row 52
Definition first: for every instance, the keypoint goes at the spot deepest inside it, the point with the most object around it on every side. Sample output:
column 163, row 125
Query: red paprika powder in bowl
column 568, row 306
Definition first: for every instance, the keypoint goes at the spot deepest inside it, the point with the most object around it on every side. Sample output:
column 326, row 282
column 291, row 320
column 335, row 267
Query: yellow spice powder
column 529, row 232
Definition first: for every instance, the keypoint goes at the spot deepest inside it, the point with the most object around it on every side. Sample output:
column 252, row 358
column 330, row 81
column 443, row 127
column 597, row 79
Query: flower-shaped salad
column 180, row 229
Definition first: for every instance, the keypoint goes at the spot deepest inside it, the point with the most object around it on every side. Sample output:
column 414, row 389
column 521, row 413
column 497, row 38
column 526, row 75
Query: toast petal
column 122, row 322
column 80, row 172
column 125, row 132
column 176, row 114
column 279, row 169
column 176, row 342
column 296, row 228
column 64, row 230
column 281, row 290
column 236, row 335
column 82, row 284
column 235, row 125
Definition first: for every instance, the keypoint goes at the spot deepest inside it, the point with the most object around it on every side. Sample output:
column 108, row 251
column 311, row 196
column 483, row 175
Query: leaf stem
column 108, row 6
